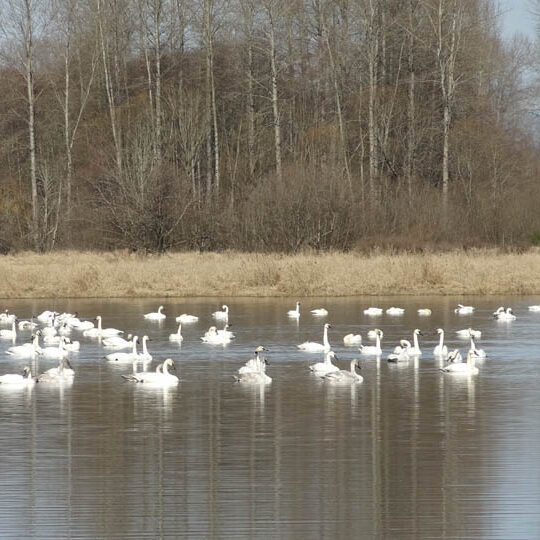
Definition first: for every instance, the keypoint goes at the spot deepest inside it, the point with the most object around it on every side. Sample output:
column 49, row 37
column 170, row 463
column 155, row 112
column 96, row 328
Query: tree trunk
column 275, row 103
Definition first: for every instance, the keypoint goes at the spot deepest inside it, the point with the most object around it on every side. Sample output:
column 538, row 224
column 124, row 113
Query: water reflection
column 409, row 453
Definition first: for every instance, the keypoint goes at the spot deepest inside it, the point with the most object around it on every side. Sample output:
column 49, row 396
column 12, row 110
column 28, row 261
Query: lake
column 409, row 453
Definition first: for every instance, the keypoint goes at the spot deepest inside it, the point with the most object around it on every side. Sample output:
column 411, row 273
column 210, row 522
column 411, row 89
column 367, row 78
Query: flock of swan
column 56, row 330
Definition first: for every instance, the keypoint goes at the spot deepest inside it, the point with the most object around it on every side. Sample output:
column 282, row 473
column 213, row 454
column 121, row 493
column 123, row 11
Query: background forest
column 265, row 125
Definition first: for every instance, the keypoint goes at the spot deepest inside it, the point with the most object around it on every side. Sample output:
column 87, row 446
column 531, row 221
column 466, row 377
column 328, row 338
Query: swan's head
column 66, row 363
column 440, row 331
column 332, row 354
column 327, row 326
column 26, row 370
column 356, row 363
column 379, row 332
column 169, row 362
column 418, row 332
column 406, row 344
column 98, row 318
column 160, row 308
column 212, row 329
column 225, row 308
column 146, row 338
column 453, row 355
column 260, row 348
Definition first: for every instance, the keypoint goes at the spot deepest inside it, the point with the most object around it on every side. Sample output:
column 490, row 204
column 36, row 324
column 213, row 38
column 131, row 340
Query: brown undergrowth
column 118, row 274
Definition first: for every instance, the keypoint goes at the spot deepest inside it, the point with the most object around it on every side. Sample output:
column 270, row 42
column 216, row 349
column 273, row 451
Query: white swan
column 10, row 334
column 159, row 377
column 345, row 377
column 224, row 314
column 506, row 315
column 534, row 308
column 395, row 311
column 125, row 357
column 352, row 339
column 45, row 316
column 101, row 332
column 144, row 356
column 312, row 346
column 178, row 335
column 402, row 355
column 216, row 337
column 468, row 332
column 466, row 368
column 253, row 365
column 319, row 312
column 373, row 349
column 404, row 345
column 478, row 353
column 27, row 350
column 63, row 371
column 415, row 349
column 464, row 310
column 185, row 318
column 425, row 312
column 373, row 311
column 118, row 342
column 26, row 325
column 294, row 313
column 323, row 368
column 441, row 349
column 55, row 352
column 454, row 357
column 6, row 317
column 498, row 310
column 372, row 334
column 258, row 376
column 83, row 325
column 25, row 379
column 156, row 315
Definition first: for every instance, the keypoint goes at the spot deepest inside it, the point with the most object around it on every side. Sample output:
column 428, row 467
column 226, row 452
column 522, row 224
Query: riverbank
column 118, row 274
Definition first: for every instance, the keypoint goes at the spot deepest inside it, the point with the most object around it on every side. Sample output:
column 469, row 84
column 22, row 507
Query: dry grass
column 87, row 274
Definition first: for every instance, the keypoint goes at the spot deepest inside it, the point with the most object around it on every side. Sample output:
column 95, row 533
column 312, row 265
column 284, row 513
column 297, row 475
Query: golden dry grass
column 117, row 274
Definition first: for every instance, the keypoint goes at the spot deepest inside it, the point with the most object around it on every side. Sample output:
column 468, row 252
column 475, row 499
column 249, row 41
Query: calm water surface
column 409, row 453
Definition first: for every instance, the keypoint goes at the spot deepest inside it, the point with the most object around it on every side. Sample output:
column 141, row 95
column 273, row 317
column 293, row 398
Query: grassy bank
column 75, row 274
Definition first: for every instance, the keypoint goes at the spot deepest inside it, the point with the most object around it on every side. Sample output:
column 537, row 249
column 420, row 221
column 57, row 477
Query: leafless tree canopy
column 266, row 125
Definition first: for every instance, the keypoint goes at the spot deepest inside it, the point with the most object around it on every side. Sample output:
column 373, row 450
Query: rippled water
column 409, row 453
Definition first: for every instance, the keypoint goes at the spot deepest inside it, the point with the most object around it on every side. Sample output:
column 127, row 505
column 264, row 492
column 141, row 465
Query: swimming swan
column 345, row 377
column 312, row 346
column 254, row 377
column 395, row 311
column 506, row 315
column 27, row 350
column 224, row 314
column 125, row 357
column 63, row 371
column 101, row 332
column 534, row 308
column 254, row 365
column 10, row 334
column 425, row 312
column 185, row 318
column 467, row 368
column 178, row 336
column 216, row 337
column 294, row 313
column 373, row 349
column 464, row 310
column 478, row 353
column 159, row 377
column 402, row 355
column 373, row 311
column 25, row 379
column 319, row 312
column 55, row 352
column 352, row 339
column 412, row 350
column 323, row 368
column 468, row 332
column 441, row 349
column 118, row 342
column 156, row 315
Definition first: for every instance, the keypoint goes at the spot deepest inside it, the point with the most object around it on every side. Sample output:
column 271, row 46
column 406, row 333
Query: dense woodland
column 265, row 125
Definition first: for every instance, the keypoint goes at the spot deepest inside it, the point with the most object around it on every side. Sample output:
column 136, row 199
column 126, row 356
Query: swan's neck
column 159, row 309
column 297, row 308
column 378, row 340
column 165, row 368
column 441, row 340
column 325, row 338
column 180, row 329
column 473, row 346
column 353, row 365
column 415, row 340
column 145, row 350
column 328, row 360
column 135, row 339
column 99, row 324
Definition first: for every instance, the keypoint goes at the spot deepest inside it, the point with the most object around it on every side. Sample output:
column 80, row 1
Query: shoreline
column 70, row 274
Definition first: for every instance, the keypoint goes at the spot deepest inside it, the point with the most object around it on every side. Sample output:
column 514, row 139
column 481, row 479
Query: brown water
column 409, row 453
